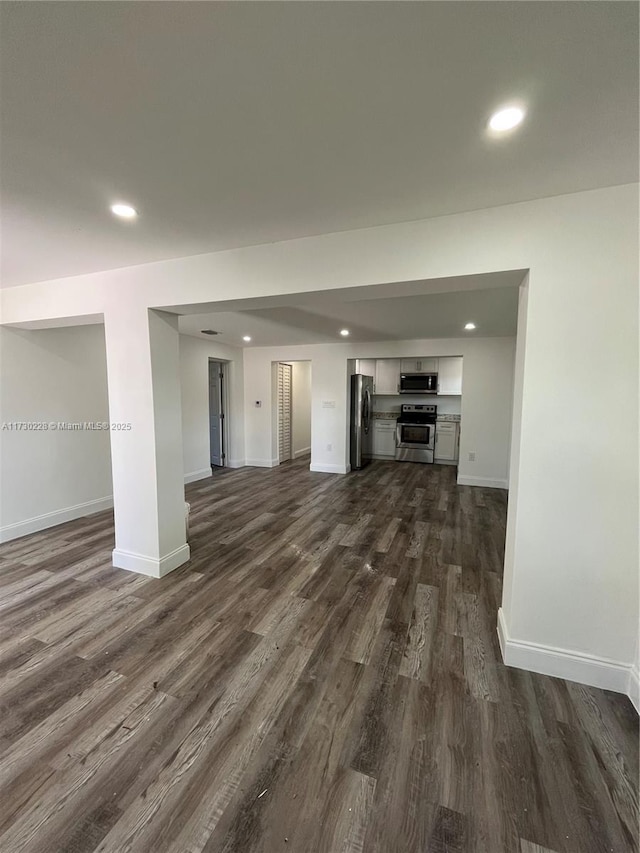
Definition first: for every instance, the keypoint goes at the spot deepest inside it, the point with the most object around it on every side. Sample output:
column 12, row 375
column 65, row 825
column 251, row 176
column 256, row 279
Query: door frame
column 223, row 367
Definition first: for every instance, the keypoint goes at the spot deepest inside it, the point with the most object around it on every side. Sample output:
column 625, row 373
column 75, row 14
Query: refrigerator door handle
column 366, row 411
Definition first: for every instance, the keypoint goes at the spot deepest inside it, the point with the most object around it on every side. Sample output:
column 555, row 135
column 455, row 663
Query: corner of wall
column 563, row 663
column 633, row 687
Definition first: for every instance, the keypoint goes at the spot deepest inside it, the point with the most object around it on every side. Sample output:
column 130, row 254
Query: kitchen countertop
column 392, row 416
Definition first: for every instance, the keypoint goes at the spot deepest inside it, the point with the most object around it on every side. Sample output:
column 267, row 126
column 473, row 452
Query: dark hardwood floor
column 322, row 677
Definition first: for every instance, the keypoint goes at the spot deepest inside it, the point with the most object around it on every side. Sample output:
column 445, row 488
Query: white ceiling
column 319, row 318
column 231, row 124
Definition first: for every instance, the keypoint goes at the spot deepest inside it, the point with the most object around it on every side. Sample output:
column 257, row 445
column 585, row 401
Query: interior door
column 285, row 380
column 216, row 414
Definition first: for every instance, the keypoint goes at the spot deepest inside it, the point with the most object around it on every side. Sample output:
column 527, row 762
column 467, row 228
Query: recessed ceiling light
column 470, row 326
column 246, row 338
column 124, row 211
column 506, row 119
column 344, row 332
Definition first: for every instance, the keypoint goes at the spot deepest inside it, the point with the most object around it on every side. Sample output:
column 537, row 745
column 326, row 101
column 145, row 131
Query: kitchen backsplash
column 446, row 405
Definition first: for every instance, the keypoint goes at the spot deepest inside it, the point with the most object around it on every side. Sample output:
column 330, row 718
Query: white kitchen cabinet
column 384, row 438
column 450, row 375
column 366, row 366
column 419, row 365
column 446, row 442
column 387, row 376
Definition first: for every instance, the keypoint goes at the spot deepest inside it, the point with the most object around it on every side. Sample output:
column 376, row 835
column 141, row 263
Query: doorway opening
column 293, row 410
column 218, row 427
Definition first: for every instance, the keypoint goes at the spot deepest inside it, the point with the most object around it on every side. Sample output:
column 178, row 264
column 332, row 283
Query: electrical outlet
column 472, row 456
column 329, row 446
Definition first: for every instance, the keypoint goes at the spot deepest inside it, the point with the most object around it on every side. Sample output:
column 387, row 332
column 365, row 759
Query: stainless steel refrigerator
column 361, row 420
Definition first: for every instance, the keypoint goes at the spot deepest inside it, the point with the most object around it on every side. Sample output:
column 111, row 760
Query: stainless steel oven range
column 416, row 433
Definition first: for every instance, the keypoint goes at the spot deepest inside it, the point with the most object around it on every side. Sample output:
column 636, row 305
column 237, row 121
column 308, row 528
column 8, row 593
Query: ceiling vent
column 209, row 332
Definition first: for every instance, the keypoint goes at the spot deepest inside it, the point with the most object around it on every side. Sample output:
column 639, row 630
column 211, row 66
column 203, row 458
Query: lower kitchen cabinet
column 446, row 449
column 384, row 438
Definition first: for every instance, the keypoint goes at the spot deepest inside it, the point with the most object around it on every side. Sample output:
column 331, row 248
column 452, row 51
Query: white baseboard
column 235, row 463
column 52, row 519
column 197, row 475
column 633, row 688
column 305, row 451
column 71, row 513
column 562, row 663
column 148, row 565
column 262, row 463
column 487, row 482
column 329, row 469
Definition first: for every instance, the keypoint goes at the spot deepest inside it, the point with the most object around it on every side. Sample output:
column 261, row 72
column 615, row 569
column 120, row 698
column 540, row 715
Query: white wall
column 486, row 401
column 328, row 384
column 573, row 547
column 194, row 386
column 49, row 477
column 301, row 407
column 571, row 569
column 52, row 476
column 514, row 461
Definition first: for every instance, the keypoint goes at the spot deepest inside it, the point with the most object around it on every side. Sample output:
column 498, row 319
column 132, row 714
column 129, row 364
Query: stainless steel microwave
column 418, row 383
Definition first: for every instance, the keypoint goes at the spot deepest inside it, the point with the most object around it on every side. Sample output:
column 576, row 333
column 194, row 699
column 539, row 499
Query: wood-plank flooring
column 322, row 677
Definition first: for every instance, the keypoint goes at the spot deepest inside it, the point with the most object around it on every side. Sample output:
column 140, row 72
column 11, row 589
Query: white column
column 329, row 412
column 146, row 458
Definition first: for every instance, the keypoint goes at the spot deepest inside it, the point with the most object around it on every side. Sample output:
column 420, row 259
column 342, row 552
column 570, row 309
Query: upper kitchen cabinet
column 419, row 365
column 387, row 376
column 450, row 376
column 366, row 366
